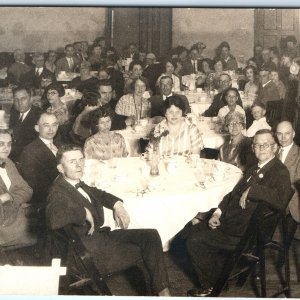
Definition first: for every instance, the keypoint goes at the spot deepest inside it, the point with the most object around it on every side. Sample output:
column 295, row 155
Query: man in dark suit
column 116, row 76
column 152, row 70
column 267, row 90
column 69, row 63
column 19, row 67
column 72, row 202
column 34, row 77
column 38, row 162
column 269, row 181
column 191, row 65
column 289, row 154
column 219, row 100
column 23, row 118
column 165, row 85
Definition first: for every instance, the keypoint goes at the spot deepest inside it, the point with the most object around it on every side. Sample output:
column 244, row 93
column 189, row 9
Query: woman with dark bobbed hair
column 135, row 104
column 251, row 86
column 54, row 92
column 179, row 136
column 105, row 144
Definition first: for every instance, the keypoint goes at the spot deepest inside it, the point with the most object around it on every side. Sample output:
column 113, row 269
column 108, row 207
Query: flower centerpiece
column 156, row 134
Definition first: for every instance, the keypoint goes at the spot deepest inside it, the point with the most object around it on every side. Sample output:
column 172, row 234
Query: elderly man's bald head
column 285, row 133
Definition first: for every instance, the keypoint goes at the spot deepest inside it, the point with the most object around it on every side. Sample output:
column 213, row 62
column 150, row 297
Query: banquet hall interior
column 112, row 82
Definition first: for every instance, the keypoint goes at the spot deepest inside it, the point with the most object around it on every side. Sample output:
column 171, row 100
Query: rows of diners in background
column 135, row 115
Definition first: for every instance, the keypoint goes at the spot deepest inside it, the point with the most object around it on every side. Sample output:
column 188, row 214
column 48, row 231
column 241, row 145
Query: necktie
column 79, row 185
column 37, row 73
column 21, row 117
column 53, row 148
column 255, row 171
column 194, row 63
column 280, row 153
column 71, row 63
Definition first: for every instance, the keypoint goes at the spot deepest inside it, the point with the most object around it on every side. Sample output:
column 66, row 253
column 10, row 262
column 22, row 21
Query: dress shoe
column 199, row 292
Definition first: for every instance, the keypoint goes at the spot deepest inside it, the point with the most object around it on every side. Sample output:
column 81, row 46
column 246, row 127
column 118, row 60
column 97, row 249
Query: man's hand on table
column 120, row 215
column 90, row 219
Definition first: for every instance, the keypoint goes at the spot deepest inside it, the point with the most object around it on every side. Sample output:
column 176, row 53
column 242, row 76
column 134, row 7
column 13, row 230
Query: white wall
column 212, row 26
column 41, row 29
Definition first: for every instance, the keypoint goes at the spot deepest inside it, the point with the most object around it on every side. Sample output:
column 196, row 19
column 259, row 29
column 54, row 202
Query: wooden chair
column 251, row 248
column 274, row 112
column 82, row 272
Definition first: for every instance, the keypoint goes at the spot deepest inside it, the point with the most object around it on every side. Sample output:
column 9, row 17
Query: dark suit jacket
column 218, row 102
column 62, row 65
column 271, row 185
column 117, row 80
column 268, row 93
column 292, row 162
column 39, row 168
column 188, row 68
column 157, row 101
column 242, row 156
column 23, row 133
column 152, row 72
column 66, row 206
column 31, row 80
column 16, row 70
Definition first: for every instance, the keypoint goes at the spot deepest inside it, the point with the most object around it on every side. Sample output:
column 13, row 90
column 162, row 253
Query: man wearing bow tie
column 72, row 202
column 269, row 181
column 289, row 154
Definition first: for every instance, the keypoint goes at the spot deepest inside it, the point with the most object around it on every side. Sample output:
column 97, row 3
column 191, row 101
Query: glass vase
column 154, row 170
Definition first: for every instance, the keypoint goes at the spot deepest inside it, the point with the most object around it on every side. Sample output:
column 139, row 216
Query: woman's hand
column 90, row 108
column 214, row 222
column 5, row 197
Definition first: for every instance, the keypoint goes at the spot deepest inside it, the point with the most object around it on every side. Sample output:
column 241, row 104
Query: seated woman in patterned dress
column 135, row 104
column 105, row 144
column 178, row 135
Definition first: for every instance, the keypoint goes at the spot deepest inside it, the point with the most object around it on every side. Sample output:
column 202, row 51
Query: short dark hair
column 66, row 148
column 141, row 78
column 232, row 89
column 267, row 131
column 133, row 63
column 89, row 98
column 22, row 88
column 104, row 82
column 258, row 103
column 68, row 46
column 252, row 68
column 176, row 101
column 101, row 112
column 57, row 87
column 165, row 77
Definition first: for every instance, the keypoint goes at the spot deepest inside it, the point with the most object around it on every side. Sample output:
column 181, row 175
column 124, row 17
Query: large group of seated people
column 42, row 150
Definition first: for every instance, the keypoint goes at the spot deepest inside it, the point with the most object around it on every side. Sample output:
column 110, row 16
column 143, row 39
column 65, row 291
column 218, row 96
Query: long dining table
column 165, row 202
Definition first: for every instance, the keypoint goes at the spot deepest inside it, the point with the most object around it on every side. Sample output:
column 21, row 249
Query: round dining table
column 165, row 202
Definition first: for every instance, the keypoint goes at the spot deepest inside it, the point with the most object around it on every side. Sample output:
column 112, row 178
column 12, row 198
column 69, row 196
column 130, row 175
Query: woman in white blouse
column 169, row 71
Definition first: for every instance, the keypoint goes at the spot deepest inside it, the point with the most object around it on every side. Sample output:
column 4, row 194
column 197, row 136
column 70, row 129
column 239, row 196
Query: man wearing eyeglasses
column 289, row 154
column 268, row 181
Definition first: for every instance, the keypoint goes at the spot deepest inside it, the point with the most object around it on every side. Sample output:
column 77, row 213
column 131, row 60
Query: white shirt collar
column 263, row 164
column 45, row 141
column 25, row 114
column 165, row 97
column 285, row 151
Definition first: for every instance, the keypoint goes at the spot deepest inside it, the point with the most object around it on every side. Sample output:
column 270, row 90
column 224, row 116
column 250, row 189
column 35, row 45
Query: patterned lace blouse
column 188, row 139
column 127, row 106
column 95, row 147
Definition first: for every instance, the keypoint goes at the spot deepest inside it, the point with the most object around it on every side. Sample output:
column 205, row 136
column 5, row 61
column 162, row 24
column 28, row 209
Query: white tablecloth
column 172, row 200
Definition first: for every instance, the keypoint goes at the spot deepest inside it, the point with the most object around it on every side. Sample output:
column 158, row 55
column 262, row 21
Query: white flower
column 261, row 175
